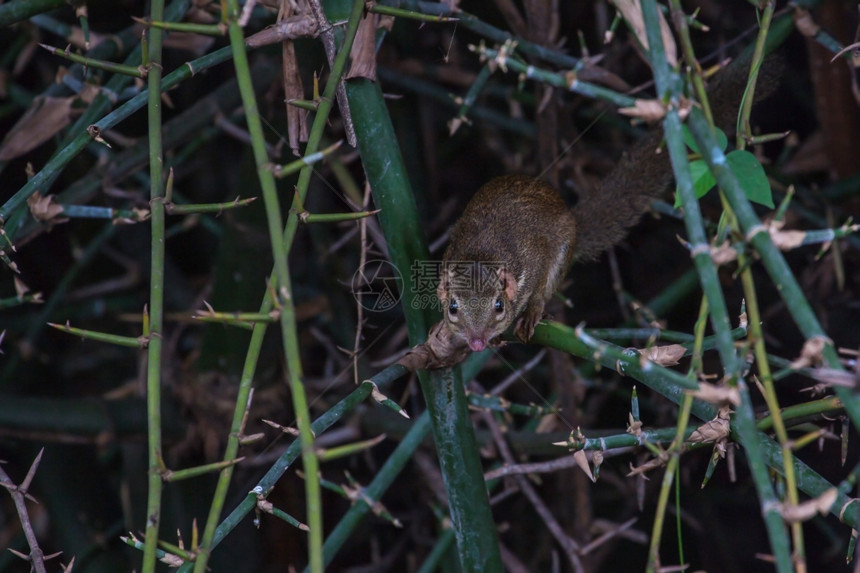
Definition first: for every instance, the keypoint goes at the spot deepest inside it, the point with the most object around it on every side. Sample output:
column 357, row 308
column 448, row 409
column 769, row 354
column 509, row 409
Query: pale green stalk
column 743, row 423
column 156, row 294
column 311, row 155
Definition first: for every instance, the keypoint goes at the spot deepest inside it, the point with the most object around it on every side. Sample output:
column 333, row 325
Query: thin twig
column 19, row 496
column 570, row 546
column 327, row 36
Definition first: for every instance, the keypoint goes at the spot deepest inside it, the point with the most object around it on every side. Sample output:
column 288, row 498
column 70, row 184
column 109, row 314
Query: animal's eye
column 499, row 306
column 453, row 307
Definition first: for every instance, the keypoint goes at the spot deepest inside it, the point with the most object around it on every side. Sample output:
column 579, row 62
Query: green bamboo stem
column 383, row 479
column 14, row 301
column 307, row 105
column 282, row 285
column 18, row 10
column 498, row 404
column 666, row 486
column 213, row 316
column 188, row 208
column 286, row 517
column 374, row 8
column 11, row 213
column 288, row 322
column 668, row 383
column 496, row 35
column 603, row 443
column 52, row 169
column 470, row 97
column 362, row 496
column 771, row 258
column 192, row 123
column 127, row 341
column 156, row 294
column 112, row 67
column 346, row 450
column 267, row 482
column 766, row 378
column 668, row 84
column 179, row 475
column 679, row 18
column 744, row 128
column 567, row 81
column 311, row 156
column 324, row 108
column 185, row 27
column 829, row 405
column 334, row 217
column 846, row 508
column 442, row 96
column 98, row 212
column 827, row 235
column 211, row 531
column 173, row 551
column 207, row 541
column 453, row 434
column 136, row 544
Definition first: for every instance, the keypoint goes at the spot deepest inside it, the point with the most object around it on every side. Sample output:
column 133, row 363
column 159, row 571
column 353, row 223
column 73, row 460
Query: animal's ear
column 509, row 284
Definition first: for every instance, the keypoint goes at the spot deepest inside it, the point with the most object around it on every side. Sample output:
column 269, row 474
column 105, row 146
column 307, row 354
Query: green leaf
column 703, row 181
column 718, row 133
column 751, row 176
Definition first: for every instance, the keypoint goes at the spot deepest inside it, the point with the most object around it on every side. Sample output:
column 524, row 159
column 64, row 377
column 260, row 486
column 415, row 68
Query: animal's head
column 477, row 300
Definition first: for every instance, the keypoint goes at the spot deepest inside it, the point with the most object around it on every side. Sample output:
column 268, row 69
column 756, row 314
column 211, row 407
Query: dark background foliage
column 82, row 400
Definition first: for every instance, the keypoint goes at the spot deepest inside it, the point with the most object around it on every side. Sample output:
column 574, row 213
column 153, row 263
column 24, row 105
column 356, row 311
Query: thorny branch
column 570, row 547
column 327, row 35
column 19, row 496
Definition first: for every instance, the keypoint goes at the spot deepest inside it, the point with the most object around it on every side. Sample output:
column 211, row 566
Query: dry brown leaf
column 715, row 430
column 786, row 240
column 667, row 355
column 46, row 117
column 716, row 394
column 289, row 29
column 44, row 209
column 441, row 350
column 807, row 510
column 650, row 110
column 661, row 460
column 89, row 93
column 811, row 354
column 833, row 377
column 297, row 118
column 634, row 427
column 581, row 459
column 723, row 254
column 710, row 432
column 631, row 10
column 363, row 52
column 805, row 24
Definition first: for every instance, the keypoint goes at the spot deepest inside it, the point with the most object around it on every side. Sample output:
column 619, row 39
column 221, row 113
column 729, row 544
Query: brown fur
column 516, row 238
column 515, row 217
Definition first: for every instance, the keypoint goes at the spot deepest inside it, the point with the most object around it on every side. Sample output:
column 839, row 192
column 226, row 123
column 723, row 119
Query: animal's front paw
column 525, row 325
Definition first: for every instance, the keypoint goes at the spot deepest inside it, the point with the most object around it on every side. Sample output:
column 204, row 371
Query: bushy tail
column 642, row 175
